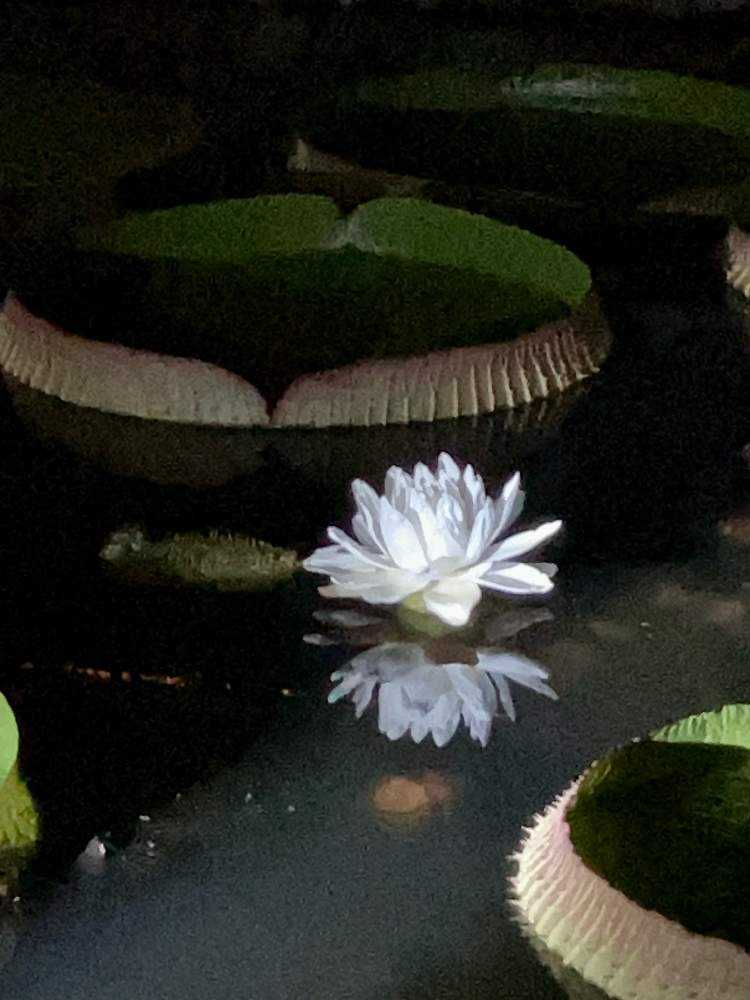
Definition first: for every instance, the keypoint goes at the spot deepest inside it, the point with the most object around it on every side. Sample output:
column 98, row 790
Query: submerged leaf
column 223, row 561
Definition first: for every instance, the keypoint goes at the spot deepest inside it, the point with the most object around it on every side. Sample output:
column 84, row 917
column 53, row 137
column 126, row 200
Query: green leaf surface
column 667, row 822
column 729, row 725
column 19, row 820
column 8, row 738
column 650, row 95
column 279, row 286
column 580, row 130
column 221, row 561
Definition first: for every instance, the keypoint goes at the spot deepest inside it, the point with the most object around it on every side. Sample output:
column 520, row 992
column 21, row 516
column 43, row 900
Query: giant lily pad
column 277, row 313
column 643, row 865
column 66, row 141
column 587, row 131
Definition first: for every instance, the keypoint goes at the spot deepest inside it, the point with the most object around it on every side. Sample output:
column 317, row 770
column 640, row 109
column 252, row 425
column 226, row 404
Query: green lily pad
column 8, row 739
column 19, row 820
column 66, row 141
column 586, row 131
column 226, row 562
column 667, row 822
column 276, row 288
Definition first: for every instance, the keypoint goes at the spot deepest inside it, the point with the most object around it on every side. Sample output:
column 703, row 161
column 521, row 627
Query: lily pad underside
column 610, row 936
column 739, row 260
column 436, row 314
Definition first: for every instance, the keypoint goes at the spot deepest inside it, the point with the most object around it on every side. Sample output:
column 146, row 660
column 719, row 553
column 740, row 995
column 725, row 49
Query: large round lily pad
column 587, row 131
column 277, row 313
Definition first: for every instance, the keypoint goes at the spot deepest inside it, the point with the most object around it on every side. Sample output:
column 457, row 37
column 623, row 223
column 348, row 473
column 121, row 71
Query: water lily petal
column 517, row 578
column 388, row 587
column 512, row 665
column 508, row 505
column 332, row 559
column 517, row 668
column 475, row 689
column 362, row 696
column 316, row 639
column 523, row 541
column 366, row 555
column 549, row 569
column 393, row 717
column 452, row 600
column 398, row 488
column 447, row 467
column 452, row 520
column 365, row 521
column 481, row 532
column 346, row 617
column 506, row 699
column 424, row 480
column 401, row 540
column 444, row 734
column 473, row 490
column 348, row 683
column 436, row 542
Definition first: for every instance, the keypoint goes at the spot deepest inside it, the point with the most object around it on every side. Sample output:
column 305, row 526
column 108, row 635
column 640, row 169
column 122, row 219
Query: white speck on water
column 150, row 844
column 248, row 796
column 645, row 624
column 145, row 819
column 291, row 809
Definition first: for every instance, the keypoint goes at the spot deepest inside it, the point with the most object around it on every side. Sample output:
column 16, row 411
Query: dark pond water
column 212, row 827
column 261, row 843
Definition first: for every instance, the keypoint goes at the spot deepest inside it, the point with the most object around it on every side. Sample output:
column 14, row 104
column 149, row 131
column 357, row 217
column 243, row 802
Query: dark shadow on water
column 648, row 460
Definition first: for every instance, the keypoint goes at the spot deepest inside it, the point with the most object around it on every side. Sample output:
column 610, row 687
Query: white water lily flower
column 434, row 540
column 420, row 696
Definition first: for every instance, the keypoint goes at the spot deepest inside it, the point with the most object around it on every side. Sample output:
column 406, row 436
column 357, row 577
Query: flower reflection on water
column 429, row 686
column 420, row 692
column 432, row 542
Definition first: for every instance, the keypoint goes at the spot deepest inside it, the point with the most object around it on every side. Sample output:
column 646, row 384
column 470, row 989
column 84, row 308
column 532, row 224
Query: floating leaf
column 403, row 311
column 223, row 561
column 581, row 130
column 19, row 820
column 667, row 822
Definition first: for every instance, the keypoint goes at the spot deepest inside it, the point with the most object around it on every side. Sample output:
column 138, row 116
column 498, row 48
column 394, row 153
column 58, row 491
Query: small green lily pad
column 667, row 822
column 221, row 561
column 585, row 131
